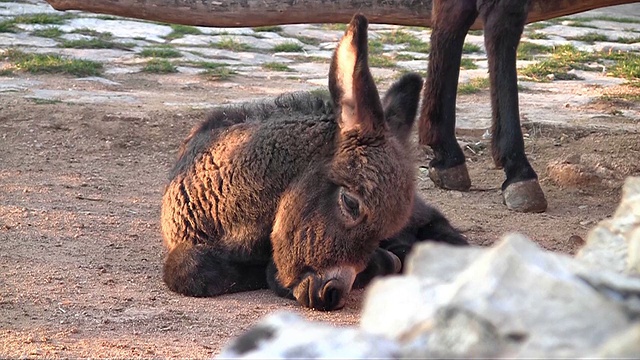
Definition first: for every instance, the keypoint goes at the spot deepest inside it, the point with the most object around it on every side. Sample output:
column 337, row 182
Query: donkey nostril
column 331, row 295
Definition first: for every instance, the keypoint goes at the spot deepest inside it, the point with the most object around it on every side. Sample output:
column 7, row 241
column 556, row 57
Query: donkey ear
column 351, row 84
column 400, row 105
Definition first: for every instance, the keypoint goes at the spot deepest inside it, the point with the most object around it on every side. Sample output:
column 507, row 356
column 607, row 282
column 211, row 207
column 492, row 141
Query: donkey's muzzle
column 325, row 291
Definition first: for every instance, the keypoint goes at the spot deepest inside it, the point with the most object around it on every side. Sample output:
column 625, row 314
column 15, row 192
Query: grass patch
column 102, row 40
column 275, row 29
column 402, row 37
column 476, row 32
column 468, row 48
column 404, row 57
column 39, row 101
column 335, row 26
column 563, row 59
column 610, row 18
column 91, row 32
column 208, row 64
column 230, row 44
column 375, row 47
column 527, row 50
column 419, row 47
column 161, row 52
column 179, row 31
column 43, row 19
column 628, row 67
column 218, row 73
column 6, row 72
column 537, row 36
column 97, row 43
column 468, row 64
column 590, row 38
column 308, row 40
column 381, row 61
column 397, row 37
column 473, row 86
column 625, row 40
column 274, row 66
column 566, row 58
column 52, row 64
column 49, row 32
column 107, row 17
column 159, row 66
column 7, row 26
column 581, row 23
column 288, row 47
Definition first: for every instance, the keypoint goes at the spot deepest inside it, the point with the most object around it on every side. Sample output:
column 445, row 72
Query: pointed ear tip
column 359, row 21
column 410, row 80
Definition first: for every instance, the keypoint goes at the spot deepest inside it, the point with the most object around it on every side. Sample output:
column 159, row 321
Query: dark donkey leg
column 503, row 25
column 201, row 271
column 451, row 21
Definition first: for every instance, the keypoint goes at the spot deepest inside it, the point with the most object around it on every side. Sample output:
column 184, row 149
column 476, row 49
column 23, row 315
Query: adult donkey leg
column 503, row 25
column 451, row 21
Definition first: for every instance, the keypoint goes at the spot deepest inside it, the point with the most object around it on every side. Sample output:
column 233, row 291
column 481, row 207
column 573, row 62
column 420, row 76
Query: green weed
column 473, row 86
column 274, row 66
column 527, row 50
column 469, row 48
column 468, row 64
column 48, row 32
column 231, row 44
column 159, row 66
column 179, row 31
column 160, row 52
column 288, row 47
column 52, row 63
column 44, row 19
column 275, row 29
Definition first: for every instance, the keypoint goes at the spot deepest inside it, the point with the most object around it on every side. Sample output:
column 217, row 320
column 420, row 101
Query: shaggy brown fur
column 303, row 194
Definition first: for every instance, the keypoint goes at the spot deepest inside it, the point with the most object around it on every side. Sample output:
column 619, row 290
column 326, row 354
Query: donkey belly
column 199, row 211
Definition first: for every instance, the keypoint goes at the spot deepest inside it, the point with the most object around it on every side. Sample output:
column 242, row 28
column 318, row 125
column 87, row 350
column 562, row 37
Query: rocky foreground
column 512, row 300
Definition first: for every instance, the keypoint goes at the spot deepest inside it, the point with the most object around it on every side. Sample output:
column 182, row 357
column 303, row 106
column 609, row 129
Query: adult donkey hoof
column 455, row 178
column 525, row 196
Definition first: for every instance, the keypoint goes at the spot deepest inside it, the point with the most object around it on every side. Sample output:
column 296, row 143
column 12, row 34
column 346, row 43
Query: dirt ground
column 80, row 243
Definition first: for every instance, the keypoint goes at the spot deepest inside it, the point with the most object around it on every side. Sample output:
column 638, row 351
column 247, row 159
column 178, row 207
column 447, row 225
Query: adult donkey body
column 503, row 22
column 306, row 195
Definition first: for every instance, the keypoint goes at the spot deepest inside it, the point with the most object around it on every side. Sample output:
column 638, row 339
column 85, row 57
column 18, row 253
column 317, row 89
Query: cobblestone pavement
column 300, row 54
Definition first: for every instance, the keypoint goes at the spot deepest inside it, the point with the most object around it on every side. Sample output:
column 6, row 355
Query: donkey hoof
column 525, row 196
column 455, row 178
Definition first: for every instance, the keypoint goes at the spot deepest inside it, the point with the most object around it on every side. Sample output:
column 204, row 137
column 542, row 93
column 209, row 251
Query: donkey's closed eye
column 350, row 206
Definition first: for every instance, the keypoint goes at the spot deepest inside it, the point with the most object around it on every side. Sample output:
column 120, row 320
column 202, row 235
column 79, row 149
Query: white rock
column 21, row 39
column 13, row 8
column 614, row 243
column 285, row 335
column 527, row 294
column 120, row 28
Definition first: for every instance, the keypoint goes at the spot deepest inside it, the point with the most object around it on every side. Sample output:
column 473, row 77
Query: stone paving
column 302, row 52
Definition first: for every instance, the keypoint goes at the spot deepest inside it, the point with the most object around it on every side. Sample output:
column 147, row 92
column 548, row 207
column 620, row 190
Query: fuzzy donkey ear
column 400, row 105
column 351, row 84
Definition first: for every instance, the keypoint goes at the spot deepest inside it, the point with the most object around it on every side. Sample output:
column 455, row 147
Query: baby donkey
column 310, row 196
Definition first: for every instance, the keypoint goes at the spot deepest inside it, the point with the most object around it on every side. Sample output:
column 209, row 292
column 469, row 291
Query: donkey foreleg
column 504, row 22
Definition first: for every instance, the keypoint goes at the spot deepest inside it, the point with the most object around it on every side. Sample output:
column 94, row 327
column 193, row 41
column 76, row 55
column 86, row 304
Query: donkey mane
column 316, row 106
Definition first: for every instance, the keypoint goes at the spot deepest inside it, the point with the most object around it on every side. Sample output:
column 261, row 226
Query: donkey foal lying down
column 306, row 195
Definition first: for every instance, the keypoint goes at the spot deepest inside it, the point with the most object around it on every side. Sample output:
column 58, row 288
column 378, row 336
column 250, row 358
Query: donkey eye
column 350, row 204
